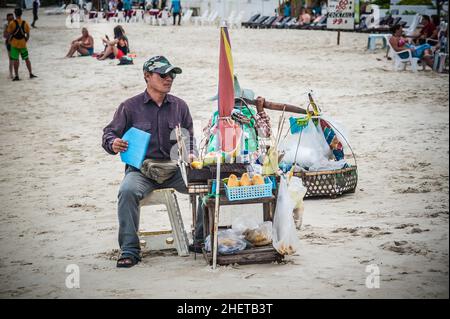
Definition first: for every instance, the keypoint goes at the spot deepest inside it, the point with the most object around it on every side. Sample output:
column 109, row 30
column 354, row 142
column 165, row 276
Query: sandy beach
column 58, row 187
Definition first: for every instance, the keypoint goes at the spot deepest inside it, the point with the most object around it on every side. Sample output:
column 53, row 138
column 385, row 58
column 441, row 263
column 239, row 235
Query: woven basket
column 330, row 183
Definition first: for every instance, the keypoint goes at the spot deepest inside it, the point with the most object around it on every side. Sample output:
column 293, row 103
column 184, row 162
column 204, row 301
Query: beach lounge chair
column 290, row 23
column 178, row 236
column 268, row 22
column 277, row 20
column 319, row 23
column 198, row 20
column 258, row 22
column 251, row 20
column 282, row 24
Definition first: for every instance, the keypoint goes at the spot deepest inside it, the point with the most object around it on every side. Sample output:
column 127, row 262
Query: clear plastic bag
column 229, row 242
column 284, row 234
column 313, row 147
column 297, row 191
column 260, row 235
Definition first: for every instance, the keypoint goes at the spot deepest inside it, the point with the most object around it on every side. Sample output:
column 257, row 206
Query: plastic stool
column 168, row 198
column 372, row 41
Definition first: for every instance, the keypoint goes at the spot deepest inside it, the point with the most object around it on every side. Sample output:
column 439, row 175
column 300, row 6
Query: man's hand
column 192, row 158
column 119, row 145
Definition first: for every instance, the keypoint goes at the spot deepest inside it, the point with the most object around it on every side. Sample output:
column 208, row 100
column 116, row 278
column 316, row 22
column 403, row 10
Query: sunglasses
column 171, row 74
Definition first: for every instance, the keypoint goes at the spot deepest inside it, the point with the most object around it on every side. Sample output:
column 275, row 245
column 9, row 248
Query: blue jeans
column 134, row 187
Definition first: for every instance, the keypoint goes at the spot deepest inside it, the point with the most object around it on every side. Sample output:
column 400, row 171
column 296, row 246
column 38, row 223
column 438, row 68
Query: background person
column 176, row 11
column 83, row 45
column 36, row 5
column 19, row 33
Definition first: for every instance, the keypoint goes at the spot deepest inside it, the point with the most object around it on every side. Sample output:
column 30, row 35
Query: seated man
column 158, row 113
column 84, row 45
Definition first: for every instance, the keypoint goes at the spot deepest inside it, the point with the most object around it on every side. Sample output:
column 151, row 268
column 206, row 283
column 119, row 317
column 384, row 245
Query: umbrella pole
column 216, row 209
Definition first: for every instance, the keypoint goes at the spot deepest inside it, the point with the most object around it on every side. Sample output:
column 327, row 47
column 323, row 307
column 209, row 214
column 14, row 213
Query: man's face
column 158, row 83
column 10, row 18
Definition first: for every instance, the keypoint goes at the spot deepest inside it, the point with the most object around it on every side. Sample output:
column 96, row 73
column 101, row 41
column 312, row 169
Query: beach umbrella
column 227, row 129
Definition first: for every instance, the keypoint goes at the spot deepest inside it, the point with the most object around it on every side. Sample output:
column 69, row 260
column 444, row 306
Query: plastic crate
column 249, row 192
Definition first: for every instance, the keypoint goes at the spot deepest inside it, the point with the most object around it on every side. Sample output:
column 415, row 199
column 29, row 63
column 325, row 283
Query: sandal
column 127, row 262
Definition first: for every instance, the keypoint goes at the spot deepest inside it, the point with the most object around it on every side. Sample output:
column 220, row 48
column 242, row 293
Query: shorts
column 90, row 52
column 120, row 54
column 15, row 52
column 8, row 47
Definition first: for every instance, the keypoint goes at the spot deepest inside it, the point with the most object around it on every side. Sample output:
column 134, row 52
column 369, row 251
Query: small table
column 263, row 254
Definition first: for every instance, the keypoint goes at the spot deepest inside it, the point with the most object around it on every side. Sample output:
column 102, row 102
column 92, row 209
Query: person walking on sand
column 9, row 18
column 158, row 113
column 83, row 45
column 176, row 11
column 36, row 5
column 19, row 33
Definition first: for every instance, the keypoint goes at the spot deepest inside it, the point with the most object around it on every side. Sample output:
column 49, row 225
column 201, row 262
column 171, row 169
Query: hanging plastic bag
column 284, row 234
column 229, row 242
column 297, row 192
column 312, row 148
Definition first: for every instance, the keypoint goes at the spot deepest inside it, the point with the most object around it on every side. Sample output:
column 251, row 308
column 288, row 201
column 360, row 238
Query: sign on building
column 341, row 14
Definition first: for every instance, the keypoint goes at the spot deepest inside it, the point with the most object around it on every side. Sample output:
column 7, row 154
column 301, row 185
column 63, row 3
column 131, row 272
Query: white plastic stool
column 168, row 198
column 372, row 41
column 439, row 61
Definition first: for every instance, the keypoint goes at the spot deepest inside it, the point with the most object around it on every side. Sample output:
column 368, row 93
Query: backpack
column 19, row 32
column 125, row 60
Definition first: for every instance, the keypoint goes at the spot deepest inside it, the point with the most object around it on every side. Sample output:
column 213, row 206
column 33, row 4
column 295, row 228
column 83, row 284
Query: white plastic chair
column 398, row 61
column 412, row 28
column 186, row 19
column 237, row 22
column 164, row 19
column 230, row 18
column 120, row 17
column 198, row 20
column 88, row 6
column 138, row 16
column 212, row 19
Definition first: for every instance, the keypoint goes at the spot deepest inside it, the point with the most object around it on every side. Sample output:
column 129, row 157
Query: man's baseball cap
column 159, row 64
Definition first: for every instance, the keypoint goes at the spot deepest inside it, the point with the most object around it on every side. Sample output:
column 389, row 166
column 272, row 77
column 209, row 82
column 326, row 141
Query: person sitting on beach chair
column 84, row 45
column 399, row 43
column 116, row 48
column 158, row 113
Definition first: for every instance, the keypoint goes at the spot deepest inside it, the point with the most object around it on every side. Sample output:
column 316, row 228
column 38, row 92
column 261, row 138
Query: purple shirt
column 143, row 113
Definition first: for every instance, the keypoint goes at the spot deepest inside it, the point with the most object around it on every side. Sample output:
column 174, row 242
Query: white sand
column 59, row 188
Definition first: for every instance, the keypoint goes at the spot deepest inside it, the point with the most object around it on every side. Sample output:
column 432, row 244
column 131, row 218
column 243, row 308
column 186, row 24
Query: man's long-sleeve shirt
column 143, row 113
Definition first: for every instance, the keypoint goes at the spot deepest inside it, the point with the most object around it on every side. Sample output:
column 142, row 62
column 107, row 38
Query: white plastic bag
column 297, row 191
column 284, row 234
column 313, row 147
